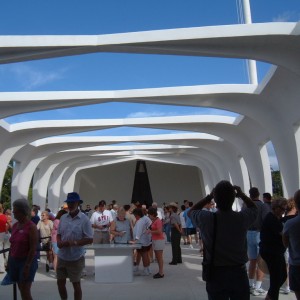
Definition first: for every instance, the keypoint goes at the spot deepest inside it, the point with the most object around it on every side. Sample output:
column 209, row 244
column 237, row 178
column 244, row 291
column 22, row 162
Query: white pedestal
column 113, row 262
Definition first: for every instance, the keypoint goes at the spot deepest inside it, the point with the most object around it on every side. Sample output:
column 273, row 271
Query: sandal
column 157, row 275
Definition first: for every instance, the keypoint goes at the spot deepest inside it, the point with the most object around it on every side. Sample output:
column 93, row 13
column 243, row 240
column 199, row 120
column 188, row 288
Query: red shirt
column 3, row 221
column 157, row 225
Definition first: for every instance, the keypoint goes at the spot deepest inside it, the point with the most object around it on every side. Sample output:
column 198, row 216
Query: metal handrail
column 15, row 295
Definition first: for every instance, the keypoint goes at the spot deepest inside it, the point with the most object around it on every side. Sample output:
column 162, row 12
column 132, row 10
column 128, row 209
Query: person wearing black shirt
column 271, row 247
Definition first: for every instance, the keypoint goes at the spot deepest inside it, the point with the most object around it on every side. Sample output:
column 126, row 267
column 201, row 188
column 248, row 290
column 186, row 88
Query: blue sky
column 104, row 71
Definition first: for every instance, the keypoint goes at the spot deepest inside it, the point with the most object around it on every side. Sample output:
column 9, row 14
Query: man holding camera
column 224, row 237
column 101, row 221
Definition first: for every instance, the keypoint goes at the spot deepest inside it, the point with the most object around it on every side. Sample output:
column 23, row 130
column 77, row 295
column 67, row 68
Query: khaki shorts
column 70, row 269
column 101, row 237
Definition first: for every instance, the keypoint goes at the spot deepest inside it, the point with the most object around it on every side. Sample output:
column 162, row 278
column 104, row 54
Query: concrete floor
column 180, row 282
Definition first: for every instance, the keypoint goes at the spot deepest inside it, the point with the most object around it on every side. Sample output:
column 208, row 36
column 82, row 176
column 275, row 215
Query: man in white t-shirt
column 101, row 221
column 160, row 211
column 183, row 225
column 114, row 211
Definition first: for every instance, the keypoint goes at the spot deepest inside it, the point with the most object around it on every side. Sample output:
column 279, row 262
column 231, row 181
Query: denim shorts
column 253, row 239
column 55, row 248
column 16, row 266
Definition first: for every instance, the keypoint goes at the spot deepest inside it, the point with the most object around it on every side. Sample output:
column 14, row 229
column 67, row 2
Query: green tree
column 277, row 183
column 6, row 187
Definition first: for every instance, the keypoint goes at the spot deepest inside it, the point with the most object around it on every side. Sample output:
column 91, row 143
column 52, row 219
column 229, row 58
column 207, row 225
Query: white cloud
column 272, row 156
column 31, row 78
column 286, row 17
column 274, row 163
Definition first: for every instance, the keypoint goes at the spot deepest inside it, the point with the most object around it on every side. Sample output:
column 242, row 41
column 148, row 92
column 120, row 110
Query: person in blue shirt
column 190, row 228
column 74, row 232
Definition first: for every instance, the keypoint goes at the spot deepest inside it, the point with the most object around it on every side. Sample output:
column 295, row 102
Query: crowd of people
column 262, row 231
column 233, row 243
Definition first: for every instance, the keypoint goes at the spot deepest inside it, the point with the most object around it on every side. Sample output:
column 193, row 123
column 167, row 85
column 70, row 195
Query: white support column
column 266, row 168
column 251, row 63
column 246, row 185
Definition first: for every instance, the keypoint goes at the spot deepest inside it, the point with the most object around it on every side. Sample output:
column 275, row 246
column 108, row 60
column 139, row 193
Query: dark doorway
column 141, row 188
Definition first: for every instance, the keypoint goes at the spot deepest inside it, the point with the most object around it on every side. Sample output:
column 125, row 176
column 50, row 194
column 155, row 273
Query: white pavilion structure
column 180, row 166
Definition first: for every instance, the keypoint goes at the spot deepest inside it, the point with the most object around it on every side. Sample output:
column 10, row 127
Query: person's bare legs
column 201, row 247
column 151, row 254
column 54, row 261
column 138, row 258
column 25, row 290
column 145, row 259
column 183, row 235
column 252, row 268
column 160, row 261
column 196, row 238
column 50, row 256
column 259, row 275
column 61, row 284
column 255, row 274
column 77, row 290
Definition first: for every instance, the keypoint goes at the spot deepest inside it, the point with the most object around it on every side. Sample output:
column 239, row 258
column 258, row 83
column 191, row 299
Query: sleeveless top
column 19, row 240
column 122, row 226
column 45, row 230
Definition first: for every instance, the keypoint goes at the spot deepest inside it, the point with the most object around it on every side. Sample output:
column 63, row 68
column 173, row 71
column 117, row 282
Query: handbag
column 46, row 247
column 207, row 266
column 44, row 243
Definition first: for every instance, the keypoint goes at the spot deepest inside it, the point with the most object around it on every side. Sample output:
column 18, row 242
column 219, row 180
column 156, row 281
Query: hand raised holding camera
column 238, row 191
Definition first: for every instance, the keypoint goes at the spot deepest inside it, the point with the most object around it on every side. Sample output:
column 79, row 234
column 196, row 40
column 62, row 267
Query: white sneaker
column 191, row 246
column 259, row 292
column 135, row 268
column 145, row 272
column 285, row 290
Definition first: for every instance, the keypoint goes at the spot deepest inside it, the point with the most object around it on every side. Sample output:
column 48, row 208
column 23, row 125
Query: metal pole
column 251, row 63
column 15, row 291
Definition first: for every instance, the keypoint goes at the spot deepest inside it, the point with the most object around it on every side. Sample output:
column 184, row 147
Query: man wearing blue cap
column 73, row 233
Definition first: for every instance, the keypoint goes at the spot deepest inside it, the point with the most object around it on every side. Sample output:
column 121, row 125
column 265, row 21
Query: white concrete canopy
column 221, row 147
